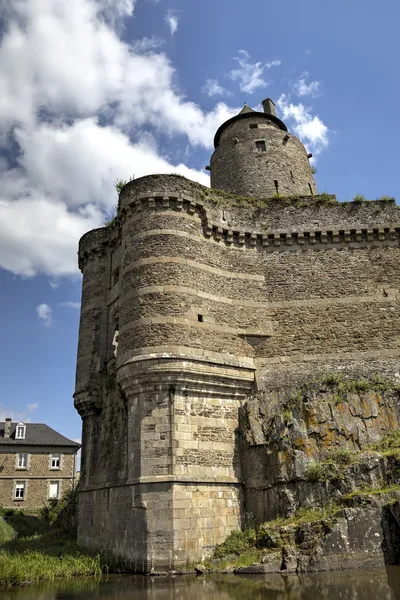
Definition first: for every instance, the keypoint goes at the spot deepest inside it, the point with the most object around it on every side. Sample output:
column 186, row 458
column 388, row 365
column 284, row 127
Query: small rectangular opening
column 200, row 318
column 276, row 186
column 311, row 192
column 261, row 146
column 253, row 126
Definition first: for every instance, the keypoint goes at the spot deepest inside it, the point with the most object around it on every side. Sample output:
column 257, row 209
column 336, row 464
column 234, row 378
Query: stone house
column 36, row 463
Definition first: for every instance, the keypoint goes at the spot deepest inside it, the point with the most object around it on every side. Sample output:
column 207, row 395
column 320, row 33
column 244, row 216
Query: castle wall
column 213, row 297
column 237, row 166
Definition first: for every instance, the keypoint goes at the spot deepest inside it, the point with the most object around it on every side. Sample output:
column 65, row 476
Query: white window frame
column 22, row 464
column 54, row 457
column 20, row 485
column 20, row 431
column 55, row 481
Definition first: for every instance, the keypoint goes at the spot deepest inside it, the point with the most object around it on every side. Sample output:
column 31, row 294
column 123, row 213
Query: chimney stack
column 269, row 107
column 7, row 427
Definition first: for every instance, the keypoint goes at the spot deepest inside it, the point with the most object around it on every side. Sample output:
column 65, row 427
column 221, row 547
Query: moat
column 344, row 585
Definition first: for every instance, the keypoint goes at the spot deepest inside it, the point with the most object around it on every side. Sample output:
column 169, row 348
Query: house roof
column 36, row 434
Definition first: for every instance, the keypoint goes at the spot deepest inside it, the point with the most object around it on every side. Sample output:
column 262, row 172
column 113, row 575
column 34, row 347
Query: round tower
column 256, row 156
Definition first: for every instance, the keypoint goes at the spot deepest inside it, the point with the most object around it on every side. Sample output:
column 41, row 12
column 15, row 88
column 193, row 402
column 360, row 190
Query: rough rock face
column 331, row 446
column 289, row 434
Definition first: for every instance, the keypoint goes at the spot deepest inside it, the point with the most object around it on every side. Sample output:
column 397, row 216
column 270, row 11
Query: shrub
column 342, row 456
column 386, row 199
column 7, row 532
column 237, row 543
column 359, row 198
column 391, row 441
column 61, row 513
column 321, row 471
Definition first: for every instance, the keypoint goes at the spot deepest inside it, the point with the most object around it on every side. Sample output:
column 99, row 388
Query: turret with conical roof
column 256, row 156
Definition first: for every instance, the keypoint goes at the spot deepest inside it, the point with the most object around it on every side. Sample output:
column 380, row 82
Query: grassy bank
column 45, row 558
column 36, row 548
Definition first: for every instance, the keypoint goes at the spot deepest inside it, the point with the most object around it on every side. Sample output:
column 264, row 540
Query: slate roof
column 246, row 109
column 36, row 434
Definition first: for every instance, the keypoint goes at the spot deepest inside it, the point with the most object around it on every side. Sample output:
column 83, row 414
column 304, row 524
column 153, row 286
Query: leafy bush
column 359, row 198
column 61, row 513
column 238, row 542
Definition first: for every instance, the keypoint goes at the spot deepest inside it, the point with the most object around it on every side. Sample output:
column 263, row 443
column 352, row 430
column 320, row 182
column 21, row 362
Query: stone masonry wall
column 212, row 294
column 238, row 167
column 37, row 477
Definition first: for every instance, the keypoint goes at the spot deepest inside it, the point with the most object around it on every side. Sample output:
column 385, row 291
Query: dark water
column 379, row 584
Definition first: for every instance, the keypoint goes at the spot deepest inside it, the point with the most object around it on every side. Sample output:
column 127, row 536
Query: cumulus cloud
column 250, row 74
column 44, row 313
column 310, row 128
column 213, row 88
column 75, row 99
column 69, row 304
column 172, row 20
column 302, row 88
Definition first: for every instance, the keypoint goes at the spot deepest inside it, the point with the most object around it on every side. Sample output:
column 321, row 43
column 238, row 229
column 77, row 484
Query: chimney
column 7, row 427
column 269, row 107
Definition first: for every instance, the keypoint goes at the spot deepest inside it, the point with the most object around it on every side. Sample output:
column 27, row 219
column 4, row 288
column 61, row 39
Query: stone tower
column 192, row 302
column 256, row 156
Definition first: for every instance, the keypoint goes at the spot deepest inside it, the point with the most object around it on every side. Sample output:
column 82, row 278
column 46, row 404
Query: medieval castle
column 198, row 301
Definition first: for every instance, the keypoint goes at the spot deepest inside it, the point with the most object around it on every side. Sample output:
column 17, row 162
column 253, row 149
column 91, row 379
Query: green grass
column 372, row 491
column 389, row 444
column 46, row 558
column 7, row 532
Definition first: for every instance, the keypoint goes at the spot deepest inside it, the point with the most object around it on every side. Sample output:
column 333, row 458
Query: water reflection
column 374, row 584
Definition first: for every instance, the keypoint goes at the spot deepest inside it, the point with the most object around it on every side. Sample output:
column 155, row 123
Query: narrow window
column 260, row 146
column 20, row 432
column 22, row 460
column 200, row 318
column 20, row 490
column 276, row 186
column 254, row 126
column 311, row 192
column 291, row 175
column 55, row 461
column 54, row 489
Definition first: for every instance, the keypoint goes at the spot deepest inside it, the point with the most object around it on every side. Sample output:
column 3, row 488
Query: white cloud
column 69, row 304
column 147, row 44
column 302, row 88
column 172, row 20
column 44, row 313
column 311, row 130
column 249, row 74
column 213, row 88
column 75, row 96
column 16, row 416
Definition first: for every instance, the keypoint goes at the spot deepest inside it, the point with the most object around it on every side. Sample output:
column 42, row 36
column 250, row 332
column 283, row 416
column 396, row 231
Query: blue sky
column 95, row 90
